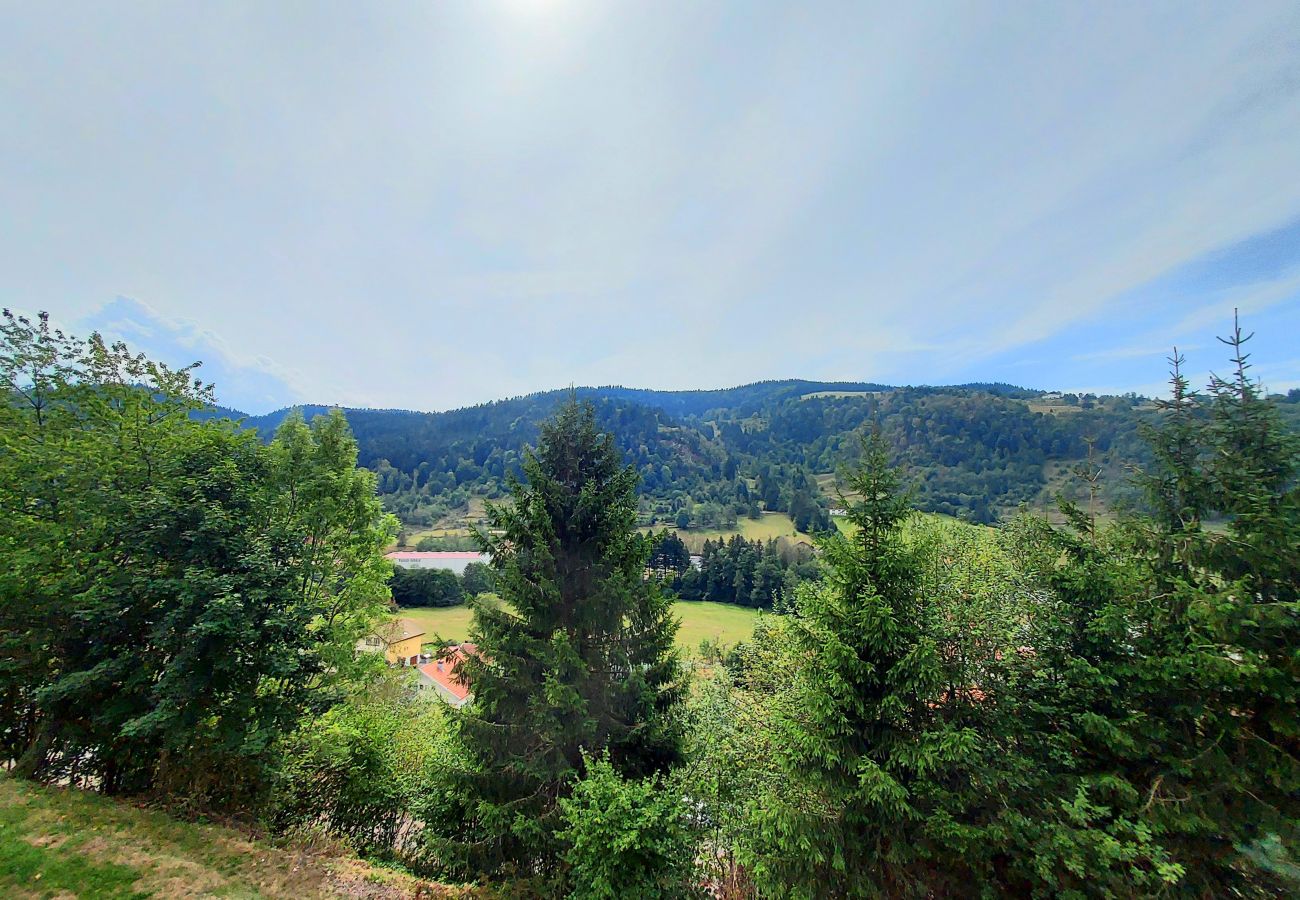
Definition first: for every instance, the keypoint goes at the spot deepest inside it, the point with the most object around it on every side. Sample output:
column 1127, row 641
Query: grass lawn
column 717, row 621
column 59, row 843
column 449, row 622
column 771, row 526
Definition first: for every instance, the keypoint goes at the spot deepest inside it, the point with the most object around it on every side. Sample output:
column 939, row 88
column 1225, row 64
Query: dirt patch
column 164, row 874
column 47, row 841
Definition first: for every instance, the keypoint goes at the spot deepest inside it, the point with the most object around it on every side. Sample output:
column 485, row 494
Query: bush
column 625, row 838
column 355, row 771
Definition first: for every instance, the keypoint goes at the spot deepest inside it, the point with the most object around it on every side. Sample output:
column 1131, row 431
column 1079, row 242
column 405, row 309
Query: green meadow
column 715, row 621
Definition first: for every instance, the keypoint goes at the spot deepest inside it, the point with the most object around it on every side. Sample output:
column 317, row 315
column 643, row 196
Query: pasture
column 770, row 527
column 715, row 621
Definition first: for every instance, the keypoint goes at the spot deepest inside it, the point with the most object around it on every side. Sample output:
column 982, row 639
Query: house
column 399, row 639
column 440, row 675
column 452, row 560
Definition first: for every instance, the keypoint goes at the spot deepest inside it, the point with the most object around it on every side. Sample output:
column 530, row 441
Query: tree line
column 439, row 587
column 758, row 574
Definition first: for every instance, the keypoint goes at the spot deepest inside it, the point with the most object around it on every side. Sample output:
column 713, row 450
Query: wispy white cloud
column 429, row 205
column 250, row 384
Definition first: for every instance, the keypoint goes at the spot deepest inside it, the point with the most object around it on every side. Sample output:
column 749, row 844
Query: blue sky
column 429, row 204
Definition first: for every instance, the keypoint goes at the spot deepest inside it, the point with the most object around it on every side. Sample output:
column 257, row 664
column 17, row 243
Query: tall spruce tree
column 856, row 741
column 1217, row 664
column 576, row 655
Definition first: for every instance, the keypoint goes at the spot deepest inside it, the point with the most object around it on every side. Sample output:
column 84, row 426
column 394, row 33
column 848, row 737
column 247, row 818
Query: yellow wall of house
column 403, row 650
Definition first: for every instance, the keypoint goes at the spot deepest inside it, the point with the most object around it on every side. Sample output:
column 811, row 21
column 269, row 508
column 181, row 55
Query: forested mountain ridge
column 976, row 451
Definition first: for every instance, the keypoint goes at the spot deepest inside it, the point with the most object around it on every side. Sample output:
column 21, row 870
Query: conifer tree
column 853, row 740
column 577, row 655
column 1217, row 660
column 1160, row 704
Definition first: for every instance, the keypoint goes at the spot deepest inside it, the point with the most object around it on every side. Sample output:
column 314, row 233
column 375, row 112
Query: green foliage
column 757, row 574
column 625, row 838
column 857, row 741
column 173, row 593
column 577, row 655
column 357, row 770
column 669, row 557
column 731, row 764
column 1070, row 711
column 426, row 587
column 477, row 579
column 1217, row 667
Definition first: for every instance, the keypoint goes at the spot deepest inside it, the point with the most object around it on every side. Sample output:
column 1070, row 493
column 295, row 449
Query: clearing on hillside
column 771, row 526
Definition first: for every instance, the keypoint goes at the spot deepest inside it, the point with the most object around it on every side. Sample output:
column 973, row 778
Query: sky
column 430, row 204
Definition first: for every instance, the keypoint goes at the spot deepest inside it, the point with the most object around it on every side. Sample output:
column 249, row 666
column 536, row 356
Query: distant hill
column 976, row 451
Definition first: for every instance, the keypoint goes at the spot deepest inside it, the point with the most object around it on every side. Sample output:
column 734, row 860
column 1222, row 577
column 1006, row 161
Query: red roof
column 442, row 670
column 432, row 554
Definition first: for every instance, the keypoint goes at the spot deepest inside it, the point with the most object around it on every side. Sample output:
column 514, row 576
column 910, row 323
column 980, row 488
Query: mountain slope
column 975, row 451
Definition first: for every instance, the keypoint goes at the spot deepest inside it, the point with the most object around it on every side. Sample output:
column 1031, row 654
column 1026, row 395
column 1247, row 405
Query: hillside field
column 771, row 526
column 59, row 843
column 700, row 620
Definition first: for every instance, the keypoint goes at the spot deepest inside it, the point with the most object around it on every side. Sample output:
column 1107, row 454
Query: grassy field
column 837, row 395
column 448, row 622
column 771, row 526
column 716, row 621
column 58, row 843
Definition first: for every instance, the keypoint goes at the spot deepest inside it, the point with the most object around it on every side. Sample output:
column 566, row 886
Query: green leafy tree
column 426, row 587
column 172, row 599
column 578, row 654
column 477, row 579
column 357, row 770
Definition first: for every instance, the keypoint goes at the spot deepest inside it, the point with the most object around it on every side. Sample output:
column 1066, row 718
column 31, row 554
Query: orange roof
column 443, row 670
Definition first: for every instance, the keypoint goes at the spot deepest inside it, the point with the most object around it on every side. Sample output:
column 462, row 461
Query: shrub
column 355, row 771
column 625, row 838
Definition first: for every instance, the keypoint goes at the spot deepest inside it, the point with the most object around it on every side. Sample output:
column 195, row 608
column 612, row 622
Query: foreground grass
column 715, row 621
column 58, row 843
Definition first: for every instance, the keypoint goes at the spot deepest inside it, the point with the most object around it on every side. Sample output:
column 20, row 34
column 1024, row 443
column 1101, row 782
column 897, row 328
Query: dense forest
column 708, row 458
column 1075, row 708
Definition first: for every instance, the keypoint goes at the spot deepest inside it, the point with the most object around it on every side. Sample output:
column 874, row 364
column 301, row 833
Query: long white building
column 452, row 560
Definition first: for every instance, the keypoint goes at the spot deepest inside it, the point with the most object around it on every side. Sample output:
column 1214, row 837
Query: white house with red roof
column 441, row 677
column 452, row 560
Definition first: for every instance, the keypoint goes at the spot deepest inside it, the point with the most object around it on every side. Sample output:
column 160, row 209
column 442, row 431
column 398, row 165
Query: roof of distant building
column 399, row 630
column 443, row 670
column 433, row 554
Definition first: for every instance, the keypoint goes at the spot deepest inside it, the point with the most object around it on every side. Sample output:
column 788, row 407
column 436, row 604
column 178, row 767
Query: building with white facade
column 452, row 560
